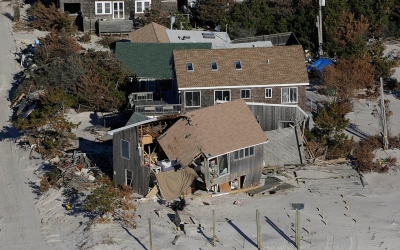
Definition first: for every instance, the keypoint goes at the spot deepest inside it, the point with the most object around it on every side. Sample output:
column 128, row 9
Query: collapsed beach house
column 218, row 148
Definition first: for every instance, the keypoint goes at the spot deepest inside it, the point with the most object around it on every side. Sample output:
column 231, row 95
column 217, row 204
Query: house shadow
column 277, row 229
column 241, row 232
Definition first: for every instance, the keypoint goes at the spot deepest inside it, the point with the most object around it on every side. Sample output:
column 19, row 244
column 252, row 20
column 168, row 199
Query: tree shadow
column 8, row 15
column 9, row 132
column 279, row 231
column 241, row 232
column 130, row 234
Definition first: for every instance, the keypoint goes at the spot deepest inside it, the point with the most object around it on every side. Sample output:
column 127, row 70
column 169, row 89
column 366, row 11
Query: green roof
column 152, row 60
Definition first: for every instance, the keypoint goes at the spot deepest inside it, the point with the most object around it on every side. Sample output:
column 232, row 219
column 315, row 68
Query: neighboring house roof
column 214, row 130
column 218, row 39
column 260, row 66
column 136, row 118
column 150, row 33
column 279, row 39
column 152, row 60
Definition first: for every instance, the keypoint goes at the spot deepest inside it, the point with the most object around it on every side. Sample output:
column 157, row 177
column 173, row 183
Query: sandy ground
column 356, row 217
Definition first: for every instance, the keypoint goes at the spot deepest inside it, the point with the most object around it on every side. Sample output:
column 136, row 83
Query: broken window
column 128, row 177
column 125, row 149
column 223, row 165
column 192, row 99
column 289, row 95
column 219, row 166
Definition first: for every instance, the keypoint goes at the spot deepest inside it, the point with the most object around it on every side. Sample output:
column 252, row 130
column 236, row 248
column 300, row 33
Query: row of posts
column 258, row 223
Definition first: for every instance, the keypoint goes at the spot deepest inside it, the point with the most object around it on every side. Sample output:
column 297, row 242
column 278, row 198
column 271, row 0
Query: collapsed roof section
column 212, row 131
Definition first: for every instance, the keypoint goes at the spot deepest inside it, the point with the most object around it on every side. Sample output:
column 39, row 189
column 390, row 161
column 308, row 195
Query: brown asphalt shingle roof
column 150, row 33
column 286, row 66
column 213, row 130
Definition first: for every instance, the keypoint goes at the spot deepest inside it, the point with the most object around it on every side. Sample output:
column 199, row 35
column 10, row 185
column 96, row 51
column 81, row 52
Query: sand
column 339, row 212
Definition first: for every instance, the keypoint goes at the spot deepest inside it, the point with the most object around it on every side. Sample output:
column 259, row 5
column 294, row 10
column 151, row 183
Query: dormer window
column 214, row 66
column 238, row 65
column 189, row 67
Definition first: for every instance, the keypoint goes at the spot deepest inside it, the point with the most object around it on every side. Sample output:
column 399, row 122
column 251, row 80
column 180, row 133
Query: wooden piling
column 259, row 241
column 151, row 240
column 298, row 229
column 214, row 235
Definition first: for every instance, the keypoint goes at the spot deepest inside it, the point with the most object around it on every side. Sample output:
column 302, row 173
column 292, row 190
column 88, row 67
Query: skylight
column 189, row 67
column 214, row 66
column 238, row 65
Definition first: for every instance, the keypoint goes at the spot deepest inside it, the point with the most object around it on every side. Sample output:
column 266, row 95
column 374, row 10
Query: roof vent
column 268, row 61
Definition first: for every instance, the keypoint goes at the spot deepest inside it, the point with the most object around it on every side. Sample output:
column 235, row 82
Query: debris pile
column 76, row 172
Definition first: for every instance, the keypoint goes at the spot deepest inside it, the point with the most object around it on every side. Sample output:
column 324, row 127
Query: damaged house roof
column 258, row 66
column 214, row 130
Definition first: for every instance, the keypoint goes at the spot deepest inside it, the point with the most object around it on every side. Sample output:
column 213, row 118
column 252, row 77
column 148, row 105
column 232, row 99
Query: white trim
column 278, row 105
column 103, row 3
column 230, row 96
column 246, row 97
column 229, row 152
column 111, row 132
column 187, row 67
column 129, row 149
column 211, row 65
column 249, row 86
column 297, row 94
column 118, row 10
column 143, row 6
column 265, row 93
column 184, row 99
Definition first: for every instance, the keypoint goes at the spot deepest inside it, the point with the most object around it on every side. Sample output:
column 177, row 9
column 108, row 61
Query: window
column 219, row 166
column 141, row 6
column 243, row 153
column 214, row 66
column 103, row 8
column 192, row 99
column 125, row 149
column 289, row 95
column 189, row 67
column 118, row 10
column 128, row 177
column 238, row 65
column 268, row 93
column 245, row 93
column 222, row 95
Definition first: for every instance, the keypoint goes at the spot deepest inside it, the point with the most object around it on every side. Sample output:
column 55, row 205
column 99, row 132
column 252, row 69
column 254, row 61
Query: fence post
column 298, row 229
column 214, row 236
column 259, row 242
column 151, row 239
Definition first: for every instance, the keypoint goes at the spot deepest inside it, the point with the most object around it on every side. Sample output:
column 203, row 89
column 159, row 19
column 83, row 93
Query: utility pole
column 319, row 27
